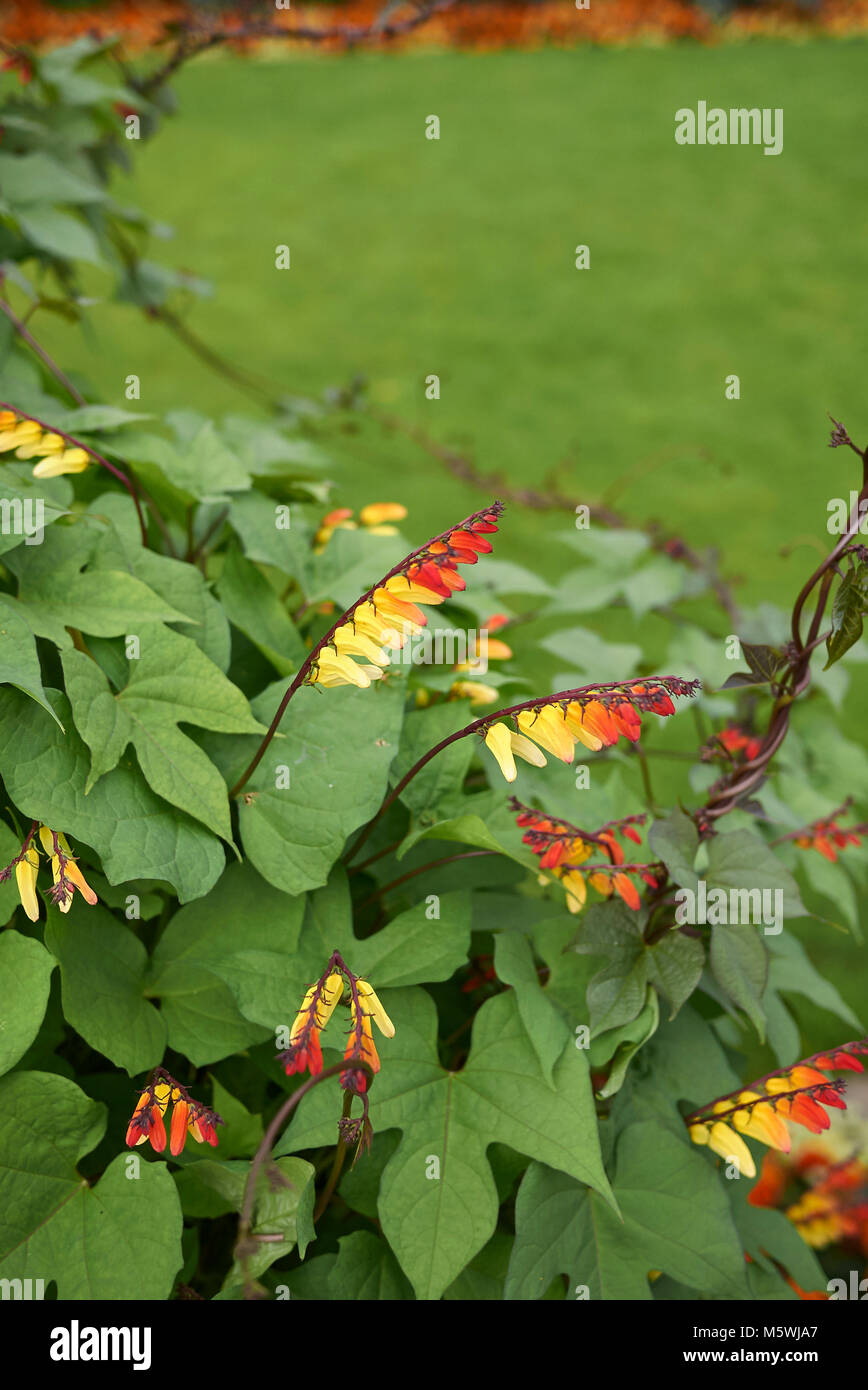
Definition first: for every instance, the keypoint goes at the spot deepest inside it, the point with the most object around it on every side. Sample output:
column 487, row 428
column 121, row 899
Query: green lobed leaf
column 19, row 662
column 179, row 583
column 253, row 607
column 742, row 860
column 337, row 746
column 616, row 995
column 171, row 681
column 544, row 1024
column 615, row 1050
column 56, row 591
column 739, row 962
column 283, row 1206
column 197, row 462
column 268, row 985
column 102, row 969
column 674, row 839
column 437, row 788
column 676, row 1218
column 118, row 1240
column 436, row 1224
column 25, row 969
column 200, row 1012
column 363, row 1269
column 20, row 497
column 135, row 834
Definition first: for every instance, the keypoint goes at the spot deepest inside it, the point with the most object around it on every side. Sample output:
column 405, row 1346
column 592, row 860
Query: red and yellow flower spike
column 364, row 1006
column 562, row 847
column 595, row 716
column 375, row 518
column 188, row 1116
column 305, row 1050
column 66, row 874
column 554, row 722
column 833, row 1206
column 29, row 440
column 827, row 836
column 797, row 1094
column 384, row 617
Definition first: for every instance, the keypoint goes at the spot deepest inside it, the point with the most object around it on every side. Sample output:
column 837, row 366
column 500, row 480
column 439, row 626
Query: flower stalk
column 381, row 612
column 540, row 719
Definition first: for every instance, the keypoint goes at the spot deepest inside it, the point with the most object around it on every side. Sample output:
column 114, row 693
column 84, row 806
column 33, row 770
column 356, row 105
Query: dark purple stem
column 31, row 342
column 423, row 869
column 479, row 725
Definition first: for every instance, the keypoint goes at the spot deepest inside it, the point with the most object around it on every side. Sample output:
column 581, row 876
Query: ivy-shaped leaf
column 254, row 608
column 336, row 747
column 616, row 995
column 764, row 663
column 849, row 606
column 438, row 1201
column 201, row 1014
column 742, row 861
column 675, row 840
column 117, row 1240
column 545, row 1025
column 58, row 591
column 135, row 834
column 19, row 661
column 25, row 969
column 102, row 968
column 170, row 681
column 676, row 1218
column 740, row 964
column 268, row 985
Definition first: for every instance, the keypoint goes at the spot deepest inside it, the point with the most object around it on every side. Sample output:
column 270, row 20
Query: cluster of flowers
column 188, row 1116
column 832, row 1206
column 562, row 847
column 304, row 1052
column 827, row 836
column 375, row 518
column 796, row 1093
column 732, row 740
column 66, row 874
column 29, row 440
column 387, row 615
column 595, row 716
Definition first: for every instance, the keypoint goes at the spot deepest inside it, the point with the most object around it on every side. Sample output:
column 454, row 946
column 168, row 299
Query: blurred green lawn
column 456, row 257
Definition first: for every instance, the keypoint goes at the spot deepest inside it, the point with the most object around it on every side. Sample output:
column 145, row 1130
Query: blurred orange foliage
column 485, row 25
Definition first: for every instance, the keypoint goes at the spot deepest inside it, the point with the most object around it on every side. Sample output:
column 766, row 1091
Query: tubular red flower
column 797, row 1094
column 561, row 847
column 188, row 1116
column 427, row 576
